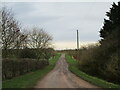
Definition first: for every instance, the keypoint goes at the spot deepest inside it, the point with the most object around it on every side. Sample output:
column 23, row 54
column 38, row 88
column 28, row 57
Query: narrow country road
column 61, row 77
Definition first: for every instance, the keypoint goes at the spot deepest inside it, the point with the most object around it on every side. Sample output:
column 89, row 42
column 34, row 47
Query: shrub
column 87, row 61
column 102, row 61
column 27, row 53
column 12, row 67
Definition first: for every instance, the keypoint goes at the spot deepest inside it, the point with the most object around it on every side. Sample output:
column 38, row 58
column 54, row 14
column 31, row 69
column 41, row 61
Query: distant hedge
column 33, row 53
column 12, row 67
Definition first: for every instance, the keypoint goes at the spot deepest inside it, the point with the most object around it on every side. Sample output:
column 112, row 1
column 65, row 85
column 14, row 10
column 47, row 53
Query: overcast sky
column 62, row 19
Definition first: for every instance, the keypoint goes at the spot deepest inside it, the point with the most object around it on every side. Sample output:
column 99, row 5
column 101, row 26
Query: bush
column 12, row 67
column 87, row 61
column 27, row 53
column 102, row 61
column 113, row 68
column 33, row 53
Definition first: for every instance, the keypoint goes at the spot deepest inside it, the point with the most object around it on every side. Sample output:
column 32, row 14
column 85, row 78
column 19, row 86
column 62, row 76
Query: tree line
column 13, row 37
column 22, row 51
column 103, row 60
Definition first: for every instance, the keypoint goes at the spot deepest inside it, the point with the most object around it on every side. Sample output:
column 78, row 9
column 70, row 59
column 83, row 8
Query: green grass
column 30, row 79
column 94, row 80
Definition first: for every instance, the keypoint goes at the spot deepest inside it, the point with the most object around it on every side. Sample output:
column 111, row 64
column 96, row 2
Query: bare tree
column 10, row 29
column 11, row 35
column 40, row 41
column 38, row 38
column 20, row 41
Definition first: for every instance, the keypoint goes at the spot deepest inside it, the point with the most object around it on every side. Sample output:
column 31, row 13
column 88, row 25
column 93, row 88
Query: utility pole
column 77, row 40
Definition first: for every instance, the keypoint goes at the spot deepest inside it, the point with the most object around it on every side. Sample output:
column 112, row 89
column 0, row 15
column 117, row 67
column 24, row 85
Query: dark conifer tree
column 112, row 22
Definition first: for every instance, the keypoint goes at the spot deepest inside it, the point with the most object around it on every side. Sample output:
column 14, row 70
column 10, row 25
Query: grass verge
column 29, row 80
column 94, row 80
